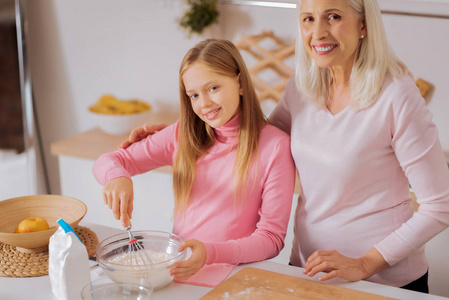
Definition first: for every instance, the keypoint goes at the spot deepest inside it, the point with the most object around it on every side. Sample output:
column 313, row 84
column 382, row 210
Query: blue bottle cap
column 67, row 228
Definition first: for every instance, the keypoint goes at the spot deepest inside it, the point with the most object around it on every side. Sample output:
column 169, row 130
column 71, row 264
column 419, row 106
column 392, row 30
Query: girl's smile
column 212, row 113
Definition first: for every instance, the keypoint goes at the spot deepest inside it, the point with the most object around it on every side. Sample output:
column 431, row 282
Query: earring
column 362, row 36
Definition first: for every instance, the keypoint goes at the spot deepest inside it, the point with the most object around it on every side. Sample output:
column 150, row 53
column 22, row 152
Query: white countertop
column 39, row 287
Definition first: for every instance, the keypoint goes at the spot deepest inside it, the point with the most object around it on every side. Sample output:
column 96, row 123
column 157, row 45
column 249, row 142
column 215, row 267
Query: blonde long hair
column 195, row 136
column 374, row 61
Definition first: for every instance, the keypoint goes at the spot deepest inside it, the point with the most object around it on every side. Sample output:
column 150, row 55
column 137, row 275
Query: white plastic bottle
column 68, row 265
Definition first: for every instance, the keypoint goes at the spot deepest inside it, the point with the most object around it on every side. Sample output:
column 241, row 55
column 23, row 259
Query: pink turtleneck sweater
column 252, row 230
column 355, row 168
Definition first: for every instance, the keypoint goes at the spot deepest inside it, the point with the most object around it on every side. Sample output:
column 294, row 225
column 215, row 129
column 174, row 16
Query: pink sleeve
column 268, row 239
column 417, row 147
column 153, row 152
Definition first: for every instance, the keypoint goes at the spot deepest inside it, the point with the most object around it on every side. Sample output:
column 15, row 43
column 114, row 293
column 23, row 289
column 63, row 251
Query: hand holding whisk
column 137, row 255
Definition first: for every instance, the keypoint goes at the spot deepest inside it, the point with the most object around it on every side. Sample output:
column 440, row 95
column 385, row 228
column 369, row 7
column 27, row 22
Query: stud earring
column 362, row 36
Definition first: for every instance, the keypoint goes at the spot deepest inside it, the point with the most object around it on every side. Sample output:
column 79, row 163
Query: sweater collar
column 229, row 131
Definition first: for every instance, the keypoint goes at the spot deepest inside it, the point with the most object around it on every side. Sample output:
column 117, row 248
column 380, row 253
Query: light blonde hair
column 195, row 136
column 374, row 62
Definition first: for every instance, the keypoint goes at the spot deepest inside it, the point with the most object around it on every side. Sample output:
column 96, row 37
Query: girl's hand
column 118, row 195
column 139, row 133
column 338, row 265
column 183, row 270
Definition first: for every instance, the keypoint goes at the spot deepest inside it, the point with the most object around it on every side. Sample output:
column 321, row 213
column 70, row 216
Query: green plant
column 199, row 15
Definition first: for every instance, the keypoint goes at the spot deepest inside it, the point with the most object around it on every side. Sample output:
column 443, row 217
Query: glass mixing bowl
column 105, row 289
column 162, row 247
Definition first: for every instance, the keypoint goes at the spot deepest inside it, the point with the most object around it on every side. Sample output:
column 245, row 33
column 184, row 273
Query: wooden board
column 253, row 283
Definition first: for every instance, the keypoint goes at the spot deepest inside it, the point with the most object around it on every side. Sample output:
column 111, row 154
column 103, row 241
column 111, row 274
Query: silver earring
column 362, row 36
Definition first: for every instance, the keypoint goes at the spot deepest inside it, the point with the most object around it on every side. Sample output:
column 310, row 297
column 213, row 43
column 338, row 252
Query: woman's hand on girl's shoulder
column 183, row 270
column 140, row 133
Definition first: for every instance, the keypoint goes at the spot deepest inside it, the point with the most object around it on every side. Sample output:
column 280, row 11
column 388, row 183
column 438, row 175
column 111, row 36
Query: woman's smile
column 322, row 49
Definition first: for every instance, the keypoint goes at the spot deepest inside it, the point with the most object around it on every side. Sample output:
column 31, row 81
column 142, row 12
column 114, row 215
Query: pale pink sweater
column 355, row 169
column 254, row 228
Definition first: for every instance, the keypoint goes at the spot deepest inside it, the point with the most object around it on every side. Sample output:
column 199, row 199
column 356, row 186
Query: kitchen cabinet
column 153, row 191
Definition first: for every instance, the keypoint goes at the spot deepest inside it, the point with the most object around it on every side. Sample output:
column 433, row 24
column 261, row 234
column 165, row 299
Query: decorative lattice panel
column 272, row 60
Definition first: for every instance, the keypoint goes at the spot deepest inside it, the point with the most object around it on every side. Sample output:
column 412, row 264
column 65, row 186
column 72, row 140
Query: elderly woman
column 360, row 135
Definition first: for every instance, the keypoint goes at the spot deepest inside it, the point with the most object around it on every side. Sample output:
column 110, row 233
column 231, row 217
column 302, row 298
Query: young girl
column 233, row 174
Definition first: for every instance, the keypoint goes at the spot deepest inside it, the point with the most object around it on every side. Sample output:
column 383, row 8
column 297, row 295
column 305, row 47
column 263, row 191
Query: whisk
column 136, row 252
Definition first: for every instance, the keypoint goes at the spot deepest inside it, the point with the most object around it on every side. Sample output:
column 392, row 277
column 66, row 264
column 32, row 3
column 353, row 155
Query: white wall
column 81, row 49
column 423, row 44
